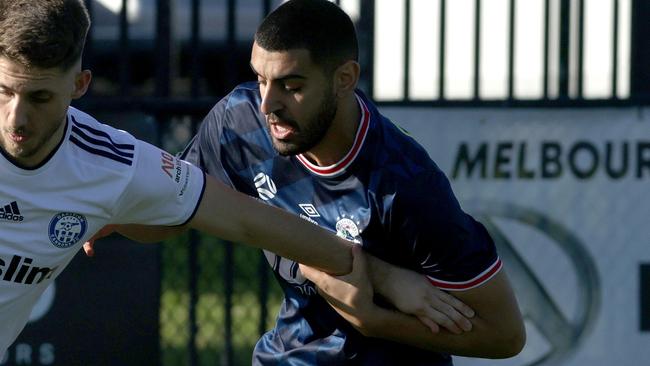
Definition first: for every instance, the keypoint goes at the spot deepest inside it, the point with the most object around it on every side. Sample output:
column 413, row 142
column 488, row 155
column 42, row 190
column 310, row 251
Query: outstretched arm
column 234, row 216
column 497, row 328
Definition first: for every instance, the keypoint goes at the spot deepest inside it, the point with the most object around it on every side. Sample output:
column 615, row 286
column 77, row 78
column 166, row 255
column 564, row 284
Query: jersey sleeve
column 164, row 190
column 204, row 150
column 449, row 246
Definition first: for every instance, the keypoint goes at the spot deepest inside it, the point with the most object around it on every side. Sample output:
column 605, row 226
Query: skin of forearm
column 237, row 217
column 379, row 272
column 479, row 342
column 149, row 234
column 497, row 328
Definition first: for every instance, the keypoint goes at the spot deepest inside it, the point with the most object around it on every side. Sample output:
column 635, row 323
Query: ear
column 346, row 78
column 81, row 83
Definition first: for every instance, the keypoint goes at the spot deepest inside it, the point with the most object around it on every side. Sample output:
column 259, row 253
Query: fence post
column 640, row 58
column 366, row 36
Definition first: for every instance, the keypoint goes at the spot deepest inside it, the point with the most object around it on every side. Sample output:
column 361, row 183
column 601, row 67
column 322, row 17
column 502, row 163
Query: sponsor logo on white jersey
column 22, row 270
column 10, row 212
column 66, row 229
column 265, row 186
column 309, row 209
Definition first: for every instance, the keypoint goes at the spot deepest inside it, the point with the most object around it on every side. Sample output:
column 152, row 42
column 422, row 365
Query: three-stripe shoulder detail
column 100, row 143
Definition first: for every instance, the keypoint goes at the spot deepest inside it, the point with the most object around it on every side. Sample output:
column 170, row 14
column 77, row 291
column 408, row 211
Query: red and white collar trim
column 341, row 165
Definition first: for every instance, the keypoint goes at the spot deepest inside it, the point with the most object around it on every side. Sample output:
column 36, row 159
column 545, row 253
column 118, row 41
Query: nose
column 17, row 114
column 270, row 99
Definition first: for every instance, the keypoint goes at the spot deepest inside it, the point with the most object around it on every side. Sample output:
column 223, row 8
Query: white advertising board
column 564, row 193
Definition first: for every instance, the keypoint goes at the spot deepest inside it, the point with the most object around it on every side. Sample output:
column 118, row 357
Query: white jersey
column 98, row 175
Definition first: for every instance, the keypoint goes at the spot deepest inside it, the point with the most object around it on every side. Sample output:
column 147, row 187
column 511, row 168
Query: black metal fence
column 216, row 297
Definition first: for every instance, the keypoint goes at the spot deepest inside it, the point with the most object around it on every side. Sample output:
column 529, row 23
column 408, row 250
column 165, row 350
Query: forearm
column 497, row 328
column 479, row 342
column 148, row 234
column 236, row 217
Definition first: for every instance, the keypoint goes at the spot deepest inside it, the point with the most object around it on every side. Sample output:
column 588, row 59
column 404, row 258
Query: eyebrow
column 285, row 77
column 37, row 91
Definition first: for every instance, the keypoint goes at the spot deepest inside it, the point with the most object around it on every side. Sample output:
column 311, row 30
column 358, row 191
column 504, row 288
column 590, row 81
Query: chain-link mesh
column 211, row 337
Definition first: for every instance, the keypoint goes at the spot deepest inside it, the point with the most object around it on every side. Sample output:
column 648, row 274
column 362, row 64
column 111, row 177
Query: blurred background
column 537, row 110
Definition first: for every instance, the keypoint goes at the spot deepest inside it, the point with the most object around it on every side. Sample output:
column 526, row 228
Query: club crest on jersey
column 347, row 229
column 66, row 229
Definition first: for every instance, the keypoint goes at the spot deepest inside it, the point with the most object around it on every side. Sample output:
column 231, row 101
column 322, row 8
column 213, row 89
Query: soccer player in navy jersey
column 64, row 175
column 305, row 139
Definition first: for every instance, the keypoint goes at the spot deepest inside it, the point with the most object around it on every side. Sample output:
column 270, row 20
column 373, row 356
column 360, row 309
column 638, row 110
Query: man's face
column 33, row 105
column 297, row 98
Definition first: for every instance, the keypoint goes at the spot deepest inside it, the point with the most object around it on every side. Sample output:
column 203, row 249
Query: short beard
column 313, row 132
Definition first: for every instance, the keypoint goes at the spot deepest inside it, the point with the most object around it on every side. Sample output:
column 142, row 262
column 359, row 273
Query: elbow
column 511, row 344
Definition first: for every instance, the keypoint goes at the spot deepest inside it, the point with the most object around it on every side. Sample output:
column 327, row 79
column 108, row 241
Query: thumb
column 311, row 273
column 88, row 248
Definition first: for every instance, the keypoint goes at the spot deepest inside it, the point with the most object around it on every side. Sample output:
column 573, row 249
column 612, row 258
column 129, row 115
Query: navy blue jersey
column 386, row 194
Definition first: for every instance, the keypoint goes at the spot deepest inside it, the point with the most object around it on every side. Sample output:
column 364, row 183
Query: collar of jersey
column 339, row 167
column 19, row 169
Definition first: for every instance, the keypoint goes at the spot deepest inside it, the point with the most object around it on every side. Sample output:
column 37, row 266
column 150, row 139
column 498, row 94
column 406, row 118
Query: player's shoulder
column 98, row 144
column 393, row 150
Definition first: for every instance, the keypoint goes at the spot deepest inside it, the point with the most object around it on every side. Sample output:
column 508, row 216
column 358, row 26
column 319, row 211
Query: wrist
column 380, row 274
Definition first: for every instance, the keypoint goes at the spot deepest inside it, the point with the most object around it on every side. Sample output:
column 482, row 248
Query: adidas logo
column 11, row 212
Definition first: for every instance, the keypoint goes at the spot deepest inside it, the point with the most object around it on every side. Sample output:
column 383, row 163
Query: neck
column 340, row 136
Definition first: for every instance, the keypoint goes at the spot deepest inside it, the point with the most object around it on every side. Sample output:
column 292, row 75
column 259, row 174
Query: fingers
column 88, row 248
column 443, row 309
column 430, row 324
column 312, row 274
column 90, row 244
column 444, row 317
column 457, row 304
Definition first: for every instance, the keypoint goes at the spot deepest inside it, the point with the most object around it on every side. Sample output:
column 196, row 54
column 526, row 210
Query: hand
column 89, row 245
column 411, row 293
column 350, row 295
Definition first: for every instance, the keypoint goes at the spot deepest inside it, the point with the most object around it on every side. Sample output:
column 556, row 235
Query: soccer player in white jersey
column 64, row 176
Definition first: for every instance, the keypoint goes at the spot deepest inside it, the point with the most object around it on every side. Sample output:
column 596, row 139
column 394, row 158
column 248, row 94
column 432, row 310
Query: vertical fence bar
column 581, row 51
column 231, row 76
column 163, row 49
column 231, row 80
column 565, row 37
column 227, row 357
column 89, row 47
column 441, row 63
column 511, row 50
column 477, row 49
column 195, row 49
column 615, row 50
column 124, row 64
column 266, row 7
column 639, row 70
column 547, row 36
column 263, row 274
column 193, row 290
column 366, row 34
column 407, row 50
column 195, row 269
